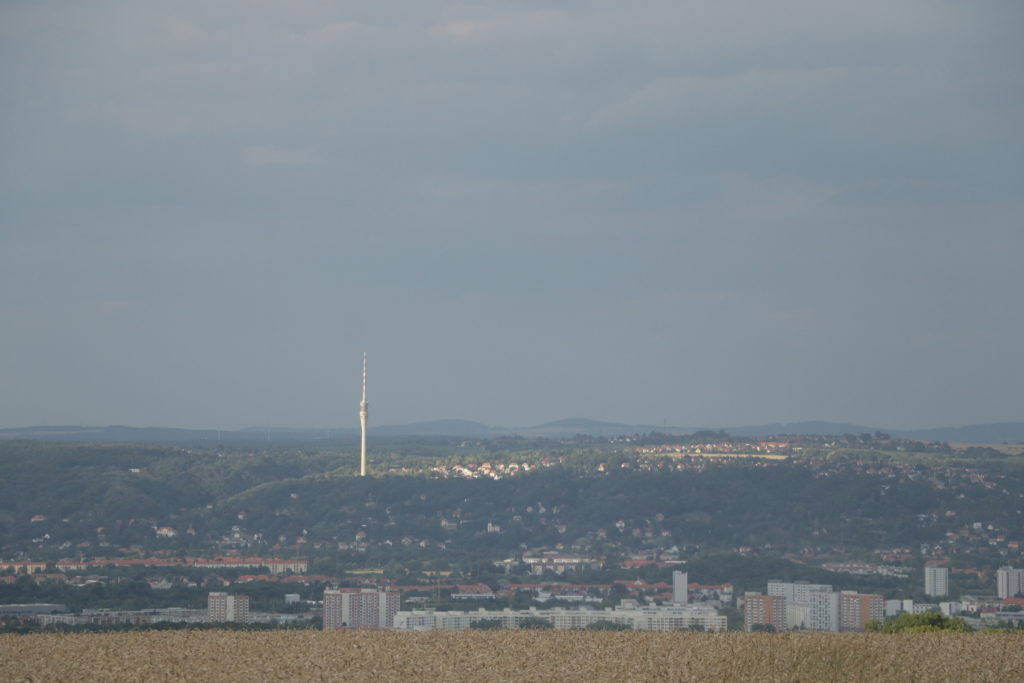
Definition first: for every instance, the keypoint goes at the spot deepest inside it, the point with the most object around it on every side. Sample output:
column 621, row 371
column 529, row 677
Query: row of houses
column 274, row 565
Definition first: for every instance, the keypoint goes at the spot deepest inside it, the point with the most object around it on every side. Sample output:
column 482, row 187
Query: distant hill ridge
column 1000, row 432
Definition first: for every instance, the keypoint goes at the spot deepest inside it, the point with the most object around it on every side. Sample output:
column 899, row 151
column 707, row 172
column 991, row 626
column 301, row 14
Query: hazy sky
column 705, row 214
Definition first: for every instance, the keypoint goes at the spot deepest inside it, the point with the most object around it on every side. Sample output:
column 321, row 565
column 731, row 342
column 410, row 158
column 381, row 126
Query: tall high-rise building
column 936, row 581
column 224, row 607
column 680, row 588
column 764, row 610
column 797, row 592
column 856, row 610
column 364, row 609
column 823, row 611
column 1009, row 582
column 798, row 599
column 364, row 413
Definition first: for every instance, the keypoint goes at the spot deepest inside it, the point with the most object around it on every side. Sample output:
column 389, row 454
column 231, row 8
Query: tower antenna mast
column 364, row 412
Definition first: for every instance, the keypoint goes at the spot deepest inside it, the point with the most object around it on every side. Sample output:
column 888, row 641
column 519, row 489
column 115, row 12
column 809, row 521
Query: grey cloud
column 729, row 213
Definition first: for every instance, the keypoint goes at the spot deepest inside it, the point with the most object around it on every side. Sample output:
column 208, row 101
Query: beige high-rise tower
column 364, row 412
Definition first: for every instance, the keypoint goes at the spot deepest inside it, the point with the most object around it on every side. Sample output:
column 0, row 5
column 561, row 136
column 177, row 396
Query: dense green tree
column 538, row 623
column 486, row 624
column 607, row 626
column 917, row 623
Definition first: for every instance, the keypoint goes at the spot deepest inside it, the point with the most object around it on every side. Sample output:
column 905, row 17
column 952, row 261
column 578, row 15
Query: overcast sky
column 699, row 214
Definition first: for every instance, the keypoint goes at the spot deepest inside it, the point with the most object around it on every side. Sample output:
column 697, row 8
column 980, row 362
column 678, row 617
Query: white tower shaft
column 364, row 412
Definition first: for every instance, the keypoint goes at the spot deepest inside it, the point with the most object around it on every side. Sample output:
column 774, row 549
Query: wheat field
column 509, row 656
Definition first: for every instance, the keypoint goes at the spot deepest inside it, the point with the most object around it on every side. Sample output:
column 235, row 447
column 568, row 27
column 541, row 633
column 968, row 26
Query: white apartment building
column 664, row 618
column 680, row 588
column 936, row 581
column 367, row 608
column 797, row 616
column 1009, row 582
column 223, row 607
column 823, row 611
column 676, row 618
column 798, row 599
column 797, row 592
column 950, row 609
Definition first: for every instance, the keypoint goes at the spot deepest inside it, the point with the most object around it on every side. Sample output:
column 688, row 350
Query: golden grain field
column 509, row 656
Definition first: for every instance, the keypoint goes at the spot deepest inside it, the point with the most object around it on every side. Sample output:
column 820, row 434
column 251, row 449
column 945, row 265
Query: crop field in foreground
column 509, row 655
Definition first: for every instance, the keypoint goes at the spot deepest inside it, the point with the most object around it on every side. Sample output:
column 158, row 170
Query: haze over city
column 676, row 213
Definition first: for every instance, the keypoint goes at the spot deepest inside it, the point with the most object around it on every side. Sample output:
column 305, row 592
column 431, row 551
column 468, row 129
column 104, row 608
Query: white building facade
column 936, row 581
column 823, row 611
column 663, row 618
column 223, row 607
column 680, row 588
column 1009, row 582
column 799, row 595
column 363, row 609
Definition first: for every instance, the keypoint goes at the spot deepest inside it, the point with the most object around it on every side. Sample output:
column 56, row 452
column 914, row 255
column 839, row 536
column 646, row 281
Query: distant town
column 645, row 532
column 679, row 605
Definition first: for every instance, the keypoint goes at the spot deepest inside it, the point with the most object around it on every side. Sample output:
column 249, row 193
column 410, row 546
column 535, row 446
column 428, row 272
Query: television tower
column 364, row 412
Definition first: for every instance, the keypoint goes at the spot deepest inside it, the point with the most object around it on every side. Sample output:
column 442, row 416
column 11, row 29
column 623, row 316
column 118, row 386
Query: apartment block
column 680, row 588
column 798, row 599
column 797, row 592
column 361, row 609
column 764, row 610
column 856, row 610
column 823, row 611
column 649, row 618
column 223, row 607
column 936, row 581
column 1009, row 582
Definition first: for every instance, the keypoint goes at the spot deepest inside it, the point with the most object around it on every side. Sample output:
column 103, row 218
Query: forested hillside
column 57, row 500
